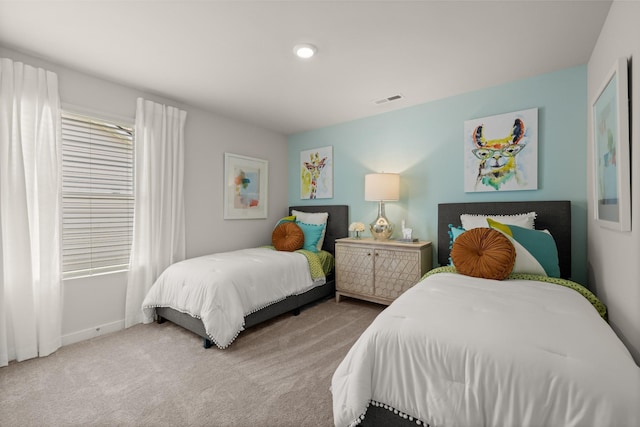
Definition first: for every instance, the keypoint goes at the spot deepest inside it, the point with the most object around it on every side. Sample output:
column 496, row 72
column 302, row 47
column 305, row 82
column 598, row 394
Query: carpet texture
column 274, row 374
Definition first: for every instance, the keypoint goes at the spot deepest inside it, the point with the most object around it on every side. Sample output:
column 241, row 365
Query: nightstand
column 379, row 271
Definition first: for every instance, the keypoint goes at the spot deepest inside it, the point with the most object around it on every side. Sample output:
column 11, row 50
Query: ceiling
column 235, row 58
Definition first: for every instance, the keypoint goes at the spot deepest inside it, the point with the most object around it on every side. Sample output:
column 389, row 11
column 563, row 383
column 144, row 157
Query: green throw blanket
column 315, row 264
column 597, row 304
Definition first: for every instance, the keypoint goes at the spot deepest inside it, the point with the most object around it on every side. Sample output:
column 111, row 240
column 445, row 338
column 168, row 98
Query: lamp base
column 381, row 228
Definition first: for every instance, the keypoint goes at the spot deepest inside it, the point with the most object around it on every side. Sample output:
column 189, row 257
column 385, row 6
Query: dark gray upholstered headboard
column 554, row 216
column 337, row 223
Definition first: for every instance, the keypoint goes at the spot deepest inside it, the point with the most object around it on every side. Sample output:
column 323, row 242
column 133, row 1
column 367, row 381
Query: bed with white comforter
column 221, row 289
column 462, row 351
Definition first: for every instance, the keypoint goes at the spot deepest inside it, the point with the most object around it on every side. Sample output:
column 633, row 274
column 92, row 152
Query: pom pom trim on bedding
column 389, row 408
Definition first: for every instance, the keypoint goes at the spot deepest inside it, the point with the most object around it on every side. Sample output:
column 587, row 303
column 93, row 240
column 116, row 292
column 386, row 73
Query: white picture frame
column 316, row 173
column 610, row 148
column 245, row 187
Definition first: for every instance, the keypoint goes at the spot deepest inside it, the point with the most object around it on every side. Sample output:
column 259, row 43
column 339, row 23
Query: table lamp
column 381, row 187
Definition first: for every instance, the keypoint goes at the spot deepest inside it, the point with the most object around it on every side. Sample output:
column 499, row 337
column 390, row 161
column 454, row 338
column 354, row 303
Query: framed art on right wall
column 612, row 178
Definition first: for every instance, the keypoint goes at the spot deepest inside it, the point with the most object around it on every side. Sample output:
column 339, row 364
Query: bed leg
column 160, row 320
column 206, row 343
column 296, row 311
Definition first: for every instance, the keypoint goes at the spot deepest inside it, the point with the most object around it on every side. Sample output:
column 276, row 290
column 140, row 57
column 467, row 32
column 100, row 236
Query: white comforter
column 221, row 289
column 460, row 351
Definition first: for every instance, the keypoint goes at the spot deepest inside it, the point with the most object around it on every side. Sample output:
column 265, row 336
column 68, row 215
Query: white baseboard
column 86, row 334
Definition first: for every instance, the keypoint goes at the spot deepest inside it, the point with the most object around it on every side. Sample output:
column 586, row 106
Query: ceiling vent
column 388, row 99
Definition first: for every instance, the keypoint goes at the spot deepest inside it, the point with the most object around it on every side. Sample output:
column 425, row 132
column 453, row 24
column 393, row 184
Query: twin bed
column 460, row 350
column 227, row 313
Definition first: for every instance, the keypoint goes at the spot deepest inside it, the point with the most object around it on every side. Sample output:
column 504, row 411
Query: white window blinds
column 97, row 190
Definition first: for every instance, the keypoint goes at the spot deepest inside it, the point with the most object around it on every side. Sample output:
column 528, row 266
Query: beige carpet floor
column 275, row 374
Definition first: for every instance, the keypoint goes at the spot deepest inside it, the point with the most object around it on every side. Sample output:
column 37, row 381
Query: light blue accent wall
column 424, row 144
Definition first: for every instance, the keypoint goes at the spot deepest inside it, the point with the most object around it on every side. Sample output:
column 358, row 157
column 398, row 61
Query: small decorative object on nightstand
column 406, row 235
column 357, row 228
column 379, row 271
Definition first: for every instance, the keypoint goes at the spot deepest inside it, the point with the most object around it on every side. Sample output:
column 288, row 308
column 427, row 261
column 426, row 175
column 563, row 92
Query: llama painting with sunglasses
column 495, row 161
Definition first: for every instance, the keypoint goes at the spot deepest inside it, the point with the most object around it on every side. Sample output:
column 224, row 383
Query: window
column 97, row 192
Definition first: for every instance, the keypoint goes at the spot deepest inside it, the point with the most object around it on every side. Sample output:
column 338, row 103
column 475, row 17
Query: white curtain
column 158, row 225
column 30, row 212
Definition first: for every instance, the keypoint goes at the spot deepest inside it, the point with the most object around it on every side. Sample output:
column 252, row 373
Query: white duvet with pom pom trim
column 461, row 351
column 221, row 289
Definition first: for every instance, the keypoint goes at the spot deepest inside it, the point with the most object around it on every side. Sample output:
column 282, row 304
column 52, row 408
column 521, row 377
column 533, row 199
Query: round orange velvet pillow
column 287, row 236
column 483, row 252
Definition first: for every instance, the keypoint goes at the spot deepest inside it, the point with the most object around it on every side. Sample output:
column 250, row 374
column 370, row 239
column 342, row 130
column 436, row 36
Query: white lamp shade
column 381, row 186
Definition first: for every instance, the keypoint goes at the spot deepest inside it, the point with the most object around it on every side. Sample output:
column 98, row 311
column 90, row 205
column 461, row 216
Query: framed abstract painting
column 612, row 177
column 245, row 189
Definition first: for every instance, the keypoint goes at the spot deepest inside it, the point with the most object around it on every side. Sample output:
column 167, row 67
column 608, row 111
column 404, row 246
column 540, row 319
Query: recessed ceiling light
column 305, row 50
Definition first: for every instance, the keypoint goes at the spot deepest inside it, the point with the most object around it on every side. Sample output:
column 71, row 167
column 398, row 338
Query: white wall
column 95, row 305
column 614, row 257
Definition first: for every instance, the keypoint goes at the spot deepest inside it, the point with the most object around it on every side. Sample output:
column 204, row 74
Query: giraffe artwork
column 316, row 174
column 501, row 152
column 314, row 167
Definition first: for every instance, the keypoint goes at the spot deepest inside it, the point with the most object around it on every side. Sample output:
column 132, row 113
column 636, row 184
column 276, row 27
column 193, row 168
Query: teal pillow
column 454, row 232
column 536, row 250
column 312, row 235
